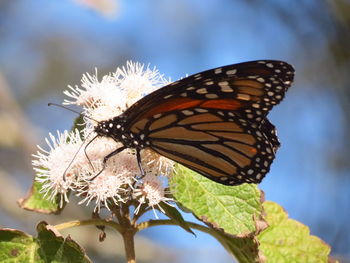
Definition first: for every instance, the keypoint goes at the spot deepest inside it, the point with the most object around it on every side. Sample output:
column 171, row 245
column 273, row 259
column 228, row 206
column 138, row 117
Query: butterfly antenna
column 64, row 107
column 87, row 157
column 75, row 155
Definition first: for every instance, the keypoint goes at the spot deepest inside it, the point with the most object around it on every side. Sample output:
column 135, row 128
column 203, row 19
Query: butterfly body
column 213, row 122
column 114, row 128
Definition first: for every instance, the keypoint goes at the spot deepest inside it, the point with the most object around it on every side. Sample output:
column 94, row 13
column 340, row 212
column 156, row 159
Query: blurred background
column 47, row 45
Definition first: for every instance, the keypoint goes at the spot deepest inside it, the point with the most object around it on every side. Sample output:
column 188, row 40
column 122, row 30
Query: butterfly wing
column 215, row 122
column 218, row 145
column 249, row 89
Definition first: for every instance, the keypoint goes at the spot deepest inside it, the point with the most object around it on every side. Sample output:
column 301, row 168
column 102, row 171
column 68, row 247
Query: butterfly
column 213, row 122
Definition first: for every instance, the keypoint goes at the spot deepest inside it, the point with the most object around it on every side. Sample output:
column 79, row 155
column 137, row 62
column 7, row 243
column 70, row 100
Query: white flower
column 94, row 93
column 138, row 81
column 107, row 186
column 151, row 192
column 57, row 167
column 156, row 163
column 101, row 113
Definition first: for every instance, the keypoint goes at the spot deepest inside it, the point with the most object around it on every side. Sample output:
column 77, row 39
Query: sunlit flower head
column 108, row 186
column 94, row 93
column 156, row 163
column 151, row 192
column 137, row 80
column 57, row 168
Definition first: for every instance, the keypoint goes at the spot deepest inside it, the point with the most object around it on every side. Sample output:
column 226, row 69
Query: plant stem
column 99, row 222
column 219, row 237
column 129, row 245
column 128, row 233
column 170, row 222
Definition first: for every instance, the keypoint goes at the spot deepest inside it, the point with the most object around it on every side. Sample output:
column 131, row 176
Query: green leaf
column 174, row 214
column 245, row 250
column 287, row 240
column 49, row 246
column 35, row 201
column 235, row 209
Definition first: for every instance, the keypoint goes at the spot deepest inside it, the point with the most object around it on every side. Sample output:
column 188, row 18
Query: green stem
column 171, row 222
column 99, row 222
column 129, row 245
column 127, row 231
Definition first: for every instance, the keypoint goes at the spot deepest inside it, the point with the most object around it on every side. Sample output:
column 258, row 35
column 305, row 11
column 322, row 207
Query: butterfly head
column 104, row 128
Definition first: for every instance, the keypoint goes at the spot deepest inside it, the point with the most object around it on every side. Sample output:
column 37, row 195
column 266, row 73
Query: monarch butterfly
column 213, row 122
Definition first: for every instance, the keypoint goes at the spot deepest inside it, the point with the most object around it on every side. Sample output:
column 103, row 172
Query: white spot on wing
column 223, row 83
column 231, row 72
column 202, row 91
column 200, row 110
column 209, row 83
column 218, row 71
column 226, row 89
column 211, row 96
column 187, row 112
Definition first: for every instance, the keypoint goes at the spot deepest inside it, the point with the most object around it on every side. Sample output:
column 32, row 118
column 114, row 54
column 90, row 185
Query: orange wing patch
column 186, row 103
column 164, row 121
column 244, row 148
column 181, row 133
column 205, row 117
column 239, row 137
column 172, row 104
column 218, row 126
column 196, row 153
column 240, row 159
column 192, row 165
column 248, row 83
column 223, row 104
column 139, row 126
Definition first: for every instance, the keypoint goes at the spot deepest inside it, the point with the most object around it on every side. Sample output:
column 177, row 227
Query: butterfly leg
column 107, row 157
column 139, row 163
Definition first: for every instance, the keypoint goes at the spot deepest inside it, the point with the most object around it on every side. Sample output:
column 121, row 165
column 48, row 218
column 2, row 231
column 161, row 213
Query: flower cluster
column 73, row 159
